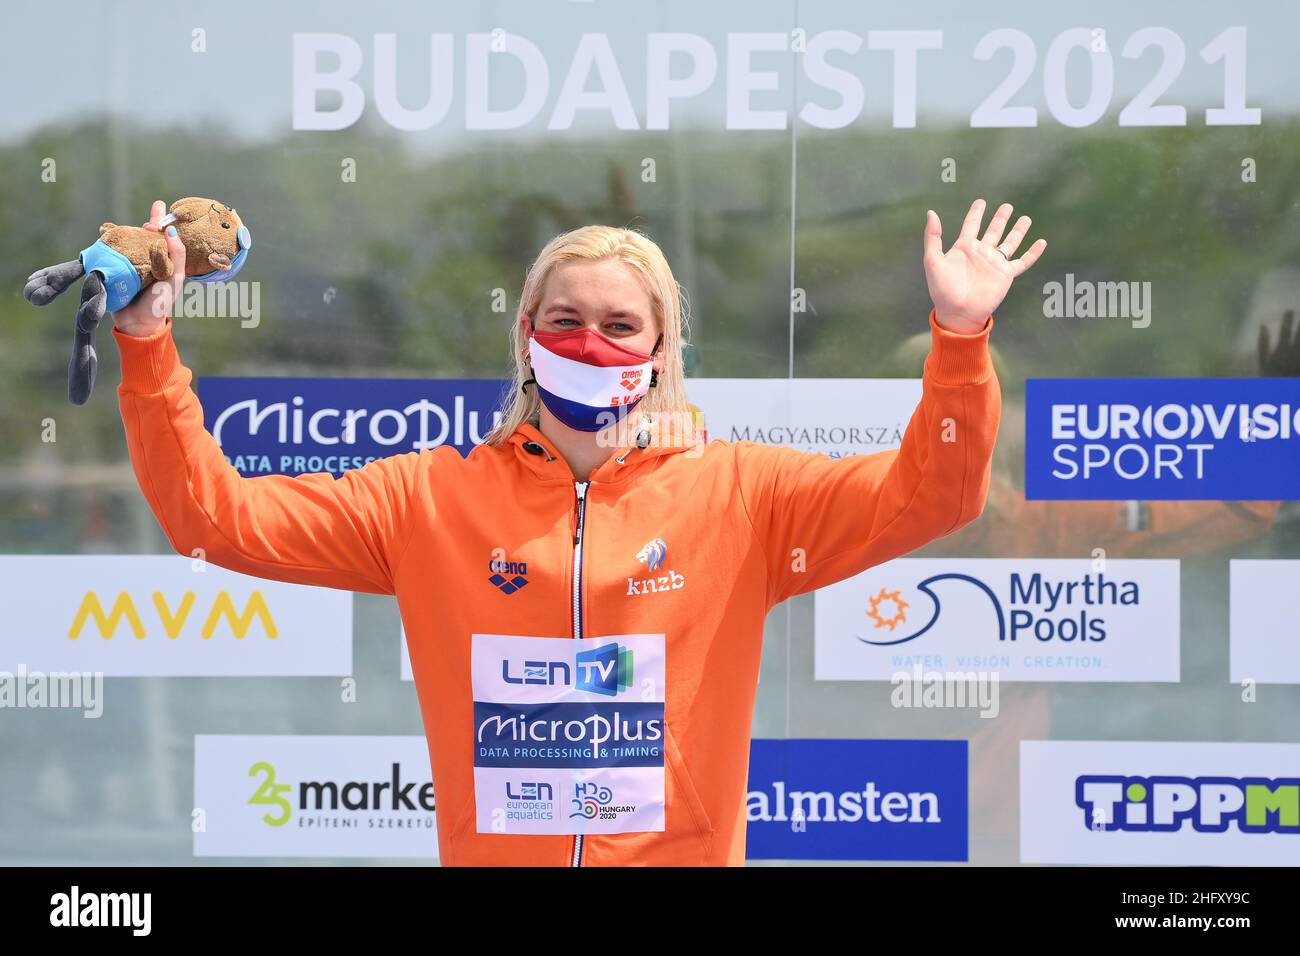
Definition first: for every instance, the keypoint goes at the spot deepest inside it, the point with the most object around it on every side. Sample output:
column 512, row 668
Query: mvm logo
column 173, row 622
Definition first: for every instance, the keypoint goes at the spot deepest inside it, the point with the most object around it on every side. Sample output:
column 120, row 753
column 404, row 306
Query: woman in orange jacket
column 586, row 517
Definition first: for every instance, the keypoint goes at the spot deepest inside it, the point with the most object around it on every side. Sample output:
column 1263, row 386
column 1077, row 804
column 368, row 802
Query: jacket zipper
column 581, row 488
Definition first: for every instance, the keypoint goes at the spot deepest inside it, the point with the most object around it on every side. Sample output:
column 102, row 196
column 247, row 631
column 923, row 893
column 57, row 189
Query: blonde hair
column 667, row 400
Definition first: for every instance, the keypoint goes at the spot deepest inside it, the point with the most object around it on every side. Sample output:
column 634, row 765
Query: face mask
column 587, row 381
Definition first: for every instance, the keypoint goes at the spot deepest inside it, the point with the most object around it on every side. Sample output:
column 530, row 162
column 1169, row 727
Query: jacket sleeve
column 820, row 520
column 314, row 529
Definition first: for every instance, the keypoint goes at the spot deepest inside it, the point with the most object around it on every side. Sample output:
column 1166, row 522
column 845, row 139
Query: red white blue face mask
column 587, row 381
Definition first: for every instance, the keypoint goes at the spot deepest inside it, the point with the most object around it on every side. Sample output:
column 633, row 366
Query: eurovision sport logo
column 857, row 800
column 1162, row 439
column 289, row 426
column 1030, row 620
column 1144, row 802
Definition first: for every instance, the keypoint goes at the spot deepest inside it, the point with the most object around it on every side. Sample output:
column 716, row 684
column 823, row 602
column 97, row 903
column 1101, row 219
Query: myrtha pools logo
column 1207, row 804
column 1034, row 605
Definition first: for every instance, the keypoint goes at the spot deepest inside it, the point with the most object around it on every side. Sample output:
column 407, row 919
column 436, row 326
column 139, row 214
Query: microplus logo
column 295, row 425
column 1162, row 439
column 1205, row 804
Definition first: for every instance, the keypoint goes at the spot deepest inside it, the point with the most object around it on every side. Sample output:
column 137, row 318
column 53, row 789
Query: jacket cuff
column 149, row 362
column 957, row 359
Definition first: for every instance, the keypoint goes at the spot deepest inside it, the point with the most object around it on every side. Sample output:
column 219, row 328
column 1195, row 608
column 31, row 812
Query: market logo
column 1168, row 804
column 507, row 576
column 652, row 555
column 593, row 801
column 171, row 622
column 1154, row 439
column 1036, row 605
column 323, row 802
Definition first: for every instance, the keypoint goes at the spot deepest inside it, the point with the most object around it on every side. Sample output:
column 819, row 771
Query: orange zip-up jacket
column 690, row 547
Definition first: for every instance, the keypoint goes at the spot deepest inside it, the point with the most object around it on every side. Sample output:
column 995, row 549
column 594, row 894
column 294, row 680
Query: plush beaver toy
column 127, row 259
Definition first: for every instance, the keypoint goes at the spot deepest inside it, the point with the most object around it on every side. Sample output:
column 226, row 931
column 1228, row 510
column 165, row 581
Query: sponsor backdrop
column 299, row 796
column 1126, row 802
column 857, row 800
column 1264, row 629
column 1128, row 588
column 155, row 616
column 1045, row 620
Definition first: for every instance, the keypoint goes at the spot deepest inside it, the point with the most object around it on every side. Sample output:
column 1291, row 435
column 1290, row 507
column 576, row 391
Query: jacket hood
column 627, row 462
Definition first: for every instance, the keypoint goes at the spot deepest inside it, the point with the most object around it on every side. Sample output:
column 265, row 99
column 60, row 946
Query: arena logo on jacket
column 290, row 426
column 569, row 735
column 857, row 800
column 1132, row 802
column 1192, row 439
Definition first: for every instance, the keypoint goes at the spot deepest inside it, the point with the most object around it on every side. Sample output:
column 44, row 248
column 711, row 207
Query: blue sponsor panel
column 857, row 800
column 1154, row 439
column 576, row 735
column 289, row 426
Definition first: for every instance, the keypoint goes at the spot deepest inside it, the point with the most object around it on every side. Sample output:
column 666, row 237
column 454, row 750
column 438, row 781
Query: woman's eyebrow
column 560, row 307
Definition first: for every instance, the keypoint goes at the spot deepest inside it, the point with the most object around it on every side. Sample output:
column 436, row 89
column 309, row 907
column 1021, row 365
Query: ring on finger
column 1005, row 254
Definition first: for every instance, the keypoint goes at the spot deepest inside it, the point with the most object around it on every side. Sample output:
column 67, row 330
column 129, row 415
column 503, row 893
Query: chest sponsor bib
column 569, row 735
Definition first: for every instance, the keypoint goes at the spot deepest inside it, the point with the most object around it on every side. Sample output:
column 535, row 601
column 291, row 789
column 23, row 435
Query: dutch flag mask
column 587, row 381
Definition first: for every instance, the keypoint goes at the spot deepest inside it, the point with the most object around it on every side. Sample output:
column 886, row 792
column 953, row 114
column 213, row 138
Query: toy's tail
column 45, row 285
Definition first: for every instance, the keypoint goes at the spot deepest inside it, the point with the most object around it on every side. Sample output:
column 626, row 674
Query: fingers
column 1024, row 263
column 1262, row 347
column 156, row 213
column 970, row 226
column 176, row 249
column 933, row 238
column 166, row 291
column 998, row 223
column 1011, row 243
